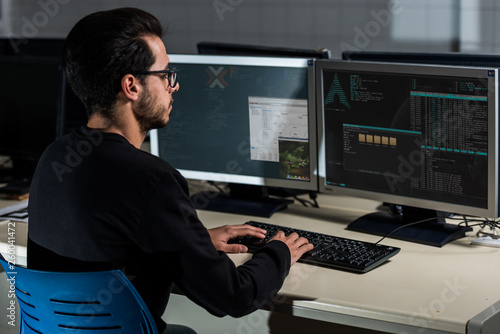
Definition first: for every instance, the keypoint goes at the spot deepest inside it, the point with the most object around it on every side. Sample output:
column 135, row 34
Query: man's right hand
column 297, row 245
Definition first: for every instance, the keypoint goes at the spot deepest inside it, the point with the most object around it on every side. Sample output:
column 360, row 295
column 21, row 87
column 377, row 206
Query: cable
column 312, row 202
column 476, row 221
column 493, row 224
column 216, row 186
column 406, row 225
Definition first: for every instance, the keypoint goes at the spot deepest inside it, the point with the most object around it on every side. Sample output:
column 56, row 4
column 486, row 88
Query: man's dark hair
column 102, row 48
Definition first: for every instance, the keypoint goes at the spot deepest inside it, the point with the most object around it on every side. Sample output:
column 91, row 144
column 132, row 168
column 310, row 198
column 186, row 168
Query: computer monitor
column 246, row 121
column 231, row 49
column 432, row 58
column 72, row 113
column 47, row 48
column 28, row 111
column 422, row 137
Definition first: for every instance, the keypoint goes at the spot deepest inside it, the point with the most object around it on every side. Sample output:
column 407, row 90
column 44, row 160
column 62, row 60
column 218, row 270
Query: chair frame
column 77, row 303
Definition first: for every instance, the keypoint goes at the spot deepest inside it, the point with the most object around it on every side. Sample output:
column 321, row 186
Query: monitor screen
column 417, row 135
column 72, row 113
column 242, row 120
column 443, row 58
column 230, row 49
column 28, row 109
column 47, row 48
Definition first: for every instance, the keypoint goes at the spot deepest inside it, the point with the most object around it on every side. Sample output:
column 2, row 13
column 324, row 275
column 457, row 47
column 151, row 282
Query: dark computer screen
column 231, row 49
column 46, row 48
column 72, row 113
column 242, row 121
column 412, row 135
column 29, row 105
column 433, row 58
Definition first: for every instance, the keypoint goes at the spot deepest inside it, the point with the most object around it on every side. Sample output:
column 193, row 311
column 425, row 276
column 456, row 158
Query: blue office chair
column 78, row 303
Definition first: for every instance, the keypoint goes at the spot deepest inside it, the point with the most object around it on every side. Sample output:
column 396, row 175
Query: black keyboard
column 329, row 251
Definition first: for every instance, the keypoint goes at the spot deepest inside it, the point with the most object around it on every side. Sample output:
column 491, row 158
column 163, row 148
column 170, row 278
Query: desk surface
column 422, row 287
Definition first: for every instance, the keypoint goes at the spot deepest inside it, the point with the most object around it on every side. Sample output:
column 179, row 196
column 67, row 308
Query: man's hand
column 221, row 235
column 297, row 245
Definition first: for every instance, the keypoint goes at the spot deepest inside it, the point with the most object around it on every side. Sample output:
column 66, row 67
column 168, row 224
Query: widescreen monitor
column 39, row 48
column 232, row 49
column 422, row 137
column 28, row 113
column 72, row 113
column 432, row 58
column 242, row 121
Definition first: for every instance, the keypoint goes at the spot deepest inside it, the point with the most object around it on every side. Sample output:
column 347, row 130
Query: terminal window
column 417, row 135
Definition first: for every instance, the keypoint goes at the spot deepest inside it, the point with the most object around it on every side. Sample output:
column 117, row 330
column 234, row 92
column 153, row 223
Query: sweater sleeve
column 171, row 226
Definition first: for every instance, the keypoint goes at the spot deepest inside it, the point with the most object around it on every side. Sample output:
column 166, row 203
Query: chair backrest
column 77, row 303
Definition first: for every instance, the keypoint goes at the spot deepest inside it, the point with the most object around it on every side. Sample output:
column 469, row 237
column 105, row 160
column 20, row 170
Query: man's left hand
column 221, row 235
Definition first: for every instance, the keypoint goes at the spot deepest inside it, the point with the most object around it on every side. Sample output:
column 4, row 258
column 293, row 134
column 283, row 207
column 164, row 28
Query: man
column 98, row 202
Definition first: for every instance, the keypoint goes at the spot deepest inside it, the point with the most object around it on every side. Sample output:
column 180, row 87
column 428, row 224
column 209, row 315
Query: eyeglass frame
column 169, row 75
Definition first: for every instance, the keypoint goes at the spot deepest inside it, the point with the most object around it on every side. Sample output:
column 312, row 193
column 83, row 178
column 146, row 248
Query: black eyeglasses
column 170, row 75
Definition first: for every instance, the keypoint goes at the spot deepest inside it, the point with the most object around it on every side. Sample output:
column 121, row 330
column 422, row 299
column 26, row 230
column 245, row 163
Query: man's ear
column 131, row 87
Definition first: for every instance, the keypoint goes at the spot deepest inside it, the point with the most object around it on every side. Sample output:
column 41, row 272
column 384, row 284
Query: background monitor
column 230, row 49
column 72, row 113
column 28, row 113
column 47, row 48
column 246, row 121
column 445, row 58
column 419, row 136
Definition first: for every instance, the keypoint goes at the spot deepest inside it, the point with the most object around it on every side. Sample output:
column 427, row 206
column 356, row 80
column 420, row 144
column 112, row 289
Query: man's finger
column 235, row 248
column 243, row 231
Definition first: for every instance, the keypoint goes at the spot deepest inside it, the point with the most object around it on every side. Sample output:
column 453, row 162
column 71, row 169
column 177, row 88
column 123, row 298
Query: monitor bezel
column 430, row 58
column 226, row 177
column 421, row 69
column 233, row 49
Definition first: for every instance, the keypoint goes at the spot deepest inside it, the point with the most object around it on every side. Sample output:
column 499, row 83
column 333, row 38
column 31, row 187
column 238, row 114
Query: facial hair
column 150, row 114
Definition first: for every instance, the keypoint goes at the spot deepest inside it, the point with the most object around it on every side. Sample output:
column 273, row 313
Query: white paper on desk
column 17, row 212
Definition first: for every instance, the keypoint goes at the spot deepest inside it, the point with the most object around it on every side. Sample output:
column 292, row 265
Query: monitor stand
column 435, row 232
column 247, row 200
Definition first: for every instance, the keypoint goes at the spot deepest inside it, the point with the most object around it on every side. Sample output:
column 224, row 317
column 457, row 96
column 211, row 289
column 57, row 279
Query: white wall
column 410, row 25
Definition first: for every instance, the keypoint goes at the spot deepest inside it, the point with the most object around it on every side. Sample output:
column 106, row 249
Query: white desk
column 422, row 289
column 13, row 234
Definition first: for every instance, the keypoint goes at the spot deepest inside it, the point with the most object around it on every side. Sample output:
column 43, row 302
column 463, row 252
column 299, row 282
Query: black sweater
column 97, row 203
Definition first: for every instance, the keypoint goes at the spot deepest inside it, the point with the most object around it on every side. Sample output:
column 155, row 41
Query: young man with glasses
column 98, row 202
